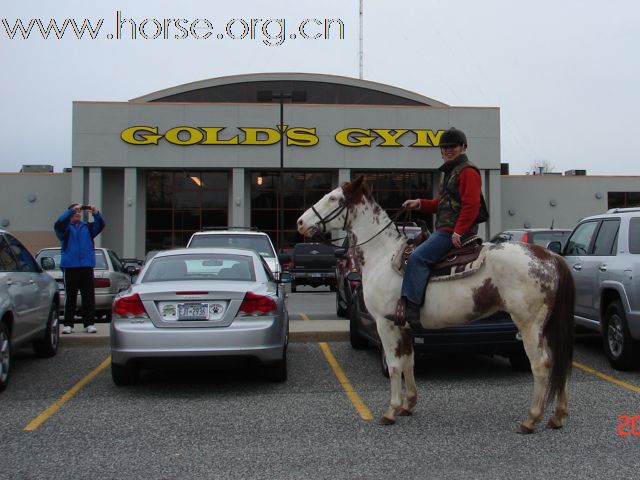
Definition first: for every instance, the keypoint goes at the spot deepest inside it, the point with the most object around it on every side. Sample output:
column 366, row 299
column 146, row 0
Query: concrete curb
column 300, row 331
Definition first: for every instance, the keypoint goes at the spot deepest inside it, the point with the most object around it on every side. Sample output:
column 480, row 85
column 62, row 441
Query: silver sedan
column 193, row 304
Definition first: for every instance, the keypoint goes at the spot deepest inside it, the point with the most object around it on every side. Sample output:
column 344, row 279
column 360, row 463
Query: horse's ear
column 356, row 189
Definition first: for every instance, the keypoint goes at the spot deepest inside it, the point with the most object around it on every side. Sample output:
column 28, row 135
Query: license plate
column 316, row 275
column 193, row 311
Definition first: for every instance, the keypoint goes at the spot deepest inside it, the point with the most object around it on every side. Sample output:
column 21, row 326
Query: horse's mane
column 355, row 190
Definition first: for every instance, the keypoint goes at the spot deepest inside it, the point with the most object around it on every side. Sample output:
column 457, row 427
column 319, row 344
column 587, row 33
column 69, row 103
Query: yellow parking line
column 357, row 402
column 304, row 317
column 606, row 377
column 58, row 404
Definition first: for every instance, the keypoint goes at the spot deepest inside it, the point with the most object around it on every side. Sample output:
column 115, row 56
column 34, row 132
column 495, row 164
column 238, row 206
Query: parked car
column 198, row 304
column 131, row 266
column 494, row 335
column 109, row 278
column 29, row 303
column 346, row 265
column 313, row 264
column 240, row 237
column 539, row 236
column 603, row 253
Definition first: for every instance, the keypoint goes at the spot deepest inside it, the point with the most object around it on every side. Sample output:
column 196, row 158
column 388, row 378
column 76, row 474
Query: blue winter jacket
column 77, row 240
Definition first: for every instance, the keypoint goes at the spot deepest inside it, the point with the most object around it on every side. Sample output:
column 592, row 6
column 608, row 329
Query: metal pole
column 281, row 193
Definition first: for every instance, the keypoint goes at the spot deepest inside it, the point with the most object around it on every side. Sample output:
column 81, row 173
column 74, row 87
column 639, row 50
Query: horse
column 529, row 282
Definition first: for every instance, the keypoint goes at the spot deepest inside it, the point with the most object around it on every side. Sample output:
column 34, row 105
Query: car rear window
column 305, row 248
column 259, row 243
column 200, row 267
column 101, row 262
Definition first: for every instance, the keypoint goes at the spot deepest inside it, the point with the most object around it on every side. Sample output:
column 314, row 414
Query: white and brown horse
column 528, row 281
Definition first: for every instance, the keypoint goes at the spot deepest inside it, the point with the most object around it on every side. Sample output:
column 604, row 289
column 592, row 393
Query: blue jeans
column 417, row 271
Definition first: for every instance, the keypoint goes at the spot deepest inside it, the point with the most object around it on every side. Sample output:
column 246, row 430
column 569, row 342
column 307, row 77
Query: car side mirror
column 340, row 252
column 354, row 277
column 285, row 277
column 48, row 263
column 555, row 247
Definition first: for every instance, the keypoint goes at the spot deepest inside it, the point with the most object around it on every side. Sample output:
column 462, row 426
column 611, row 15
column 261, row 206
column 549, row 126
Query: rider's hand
column 455, row 239
column 411, row 203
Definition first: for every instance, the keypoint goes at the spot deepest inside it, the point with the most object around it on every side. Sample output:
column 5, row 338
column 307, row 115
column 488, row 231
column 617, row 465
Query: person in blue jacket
column 77, row 262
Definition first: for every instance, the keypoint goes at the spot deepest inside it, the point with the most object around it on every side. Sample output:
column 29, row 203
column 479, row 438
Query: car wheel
column 277, row 371
column 623, row 353
column 123, row 375
column 383, row 364
column 5, row 356
column 47, row 346
column 107, row 317
column 520, row 362
column 358, row 342
column 293, row 287
column 340, row 311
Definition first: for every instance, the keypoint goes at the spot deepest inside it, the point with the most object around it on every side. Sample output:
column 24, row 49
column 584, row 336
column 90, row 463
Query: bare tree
column 542, row 166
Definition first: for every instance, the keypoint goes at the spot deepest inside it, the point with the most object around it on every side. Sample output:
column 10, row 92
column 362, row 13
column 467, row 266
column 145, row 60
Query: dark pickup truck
column 313, row 264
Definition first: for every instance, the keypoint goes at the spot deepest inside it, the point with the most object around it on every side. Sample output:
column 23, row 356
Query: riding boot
column 406, row 311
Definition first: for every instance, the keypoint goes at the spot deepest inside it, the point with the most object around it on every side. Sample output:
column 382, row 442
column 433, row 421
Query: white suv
column 239, row 237
column 603, row 253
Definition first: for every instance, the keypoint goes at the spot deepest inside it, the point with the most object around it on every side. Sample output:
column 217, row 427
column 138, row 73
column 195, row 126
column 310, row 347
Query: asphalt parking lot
column 230, row 424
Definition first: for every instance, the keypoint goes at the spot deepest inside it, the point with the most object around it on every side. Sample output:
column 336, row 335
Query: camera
column 85, row 207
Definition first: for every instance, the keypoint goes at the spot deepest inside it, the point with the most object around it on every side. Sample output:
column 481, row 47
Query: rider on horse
column 458, row 208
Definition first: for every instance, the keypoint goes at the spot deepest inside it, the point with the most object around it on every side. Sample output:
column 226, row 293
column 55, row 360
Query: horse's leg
column 411, row 392
column 393, row 342
column 562, row 409
column 539, row 358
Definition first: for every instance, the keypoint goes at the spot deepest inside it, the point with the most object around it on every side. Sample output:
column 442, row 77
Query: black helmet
column 452, row 138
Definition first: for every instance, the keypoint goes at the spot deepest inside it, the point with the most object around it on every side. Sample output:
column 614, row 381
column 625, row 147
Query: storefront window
column 623, row 199
column 180, row 203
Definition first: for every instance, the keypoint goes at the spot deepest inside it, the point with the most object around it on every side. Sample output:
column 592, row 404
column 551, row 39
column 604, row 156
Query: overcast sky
column 564, row 73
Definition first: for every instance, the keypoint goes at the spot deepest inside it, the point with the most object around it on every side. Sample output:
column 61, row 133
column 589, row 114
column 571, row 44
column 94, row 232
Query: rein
column 339, row 209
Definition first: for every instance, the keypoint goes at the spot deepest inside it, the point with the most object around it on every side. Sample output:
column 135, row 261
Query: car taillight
column 101, row 282
column 129, row 307
column 254, row 304
column 525, row 237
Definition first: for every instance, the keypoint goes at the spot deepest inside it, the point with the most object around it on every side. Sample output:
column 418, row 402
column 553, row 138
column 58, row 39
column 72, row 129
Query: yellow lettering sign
column 213, row 137
column 354, row 137
column 302, row 137
column 141, row 135
column 390, row 139
column 260, row 136
column 173, row 136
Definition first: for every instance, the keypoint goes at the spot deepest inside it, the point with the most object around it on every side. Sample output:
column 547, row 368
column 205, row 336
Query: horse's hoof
column 553, row 425
column 405, row 413
column 524, row 430
column 386, row 421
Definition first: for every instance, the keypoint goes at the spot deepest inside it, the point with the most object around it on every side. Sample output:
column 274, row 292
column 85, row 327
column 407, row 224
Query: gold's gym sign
column 295, row 136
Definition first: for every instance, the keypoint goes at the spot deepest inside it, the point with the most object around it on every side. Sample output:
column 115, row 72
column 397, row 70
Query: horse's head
column 332, row 211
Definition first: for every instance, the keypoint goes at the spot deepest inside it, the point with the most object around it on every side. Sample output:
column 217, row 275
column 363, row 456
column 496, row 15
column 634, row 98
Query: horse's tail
column 559, row 330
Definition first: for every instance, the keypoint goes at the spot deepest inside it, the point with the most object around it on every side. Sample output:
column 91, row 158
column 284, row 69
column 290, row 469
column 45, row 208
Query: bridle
column 335, row 213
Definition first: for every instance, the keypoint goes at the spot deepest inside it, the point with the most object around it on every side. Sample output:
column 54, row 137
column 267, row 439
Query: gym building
column 257, row 150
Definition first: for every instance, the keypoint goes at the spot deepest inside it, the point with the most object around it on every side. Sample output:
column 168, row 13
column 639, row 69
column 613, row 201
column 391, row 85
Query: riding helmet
column 452, row 138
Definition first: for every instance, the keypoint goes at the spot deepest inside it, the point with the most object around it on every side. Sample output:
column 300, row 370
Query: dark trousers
column 79, row 279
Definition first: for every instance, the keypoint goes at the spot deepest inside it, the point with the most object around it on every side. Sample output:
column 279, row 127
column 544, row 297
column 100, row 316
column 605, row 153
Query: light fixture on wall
column 31, row 198
column 553, row 203
column 527, row 225
column 4, row 222
column 511, row 212
column 196, row 179
column 598, row 195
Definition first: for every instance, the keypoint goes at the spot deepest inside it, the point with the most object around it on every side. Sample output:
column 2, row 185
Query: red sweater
column 469, row 187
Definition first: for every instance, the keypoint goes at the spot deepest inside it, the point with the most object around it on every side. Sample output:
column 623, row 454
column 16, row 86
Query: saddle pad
column 455, row 264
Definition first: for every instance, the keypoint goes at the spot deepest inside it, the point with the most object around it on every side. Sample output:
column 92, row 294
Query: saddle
column 458, row 262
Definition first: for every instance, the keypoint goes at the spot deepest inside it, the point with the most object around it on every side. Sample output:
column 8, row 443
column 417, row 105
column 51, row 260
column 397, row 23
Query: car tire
column 5, row 356
column 277, row 371
column 123, row 375
column 293, row 287
column 621, row 350
column 520, row 362
column 358, row 342
column 383, row 364
column 47, row 346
